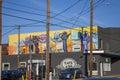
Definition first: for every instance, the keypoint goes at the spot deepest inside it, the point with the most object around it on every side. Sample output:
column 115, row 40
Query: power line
column 23, row 11
column 36, row 14
column 22, row 18
column 8, row 31
column 96, row 4
column 44, row 15
column 20, row 5
column 68, row 8
column 80, row 13
column 31, row 19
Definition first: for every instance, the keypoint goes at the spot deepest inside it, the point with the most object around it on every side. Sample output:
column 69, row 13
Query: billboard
column 69, row 40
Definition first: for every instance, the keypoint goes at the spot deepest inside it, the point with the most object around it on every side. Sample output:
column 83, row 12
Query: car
column 69, row 73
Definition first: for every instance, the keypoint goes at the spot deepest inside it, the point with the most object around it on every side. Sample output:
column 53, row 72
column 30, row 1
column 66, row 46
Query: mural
column 70, row 40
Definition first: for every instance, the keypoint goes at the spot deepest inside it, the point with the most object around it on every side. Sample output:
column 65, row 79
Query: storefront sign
column 68, row 63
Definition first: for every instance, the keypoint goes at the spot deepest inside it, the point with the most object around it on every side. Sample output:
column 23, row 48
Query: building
column 65, row 49
column 5, row 49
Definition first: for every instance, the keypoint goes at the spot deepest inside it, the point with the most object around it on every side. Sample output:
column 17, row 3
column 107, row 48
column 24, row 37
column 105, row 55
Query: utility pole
column 0, row 38
column 30, row 55
column 18, row 46
column 47, row 40
column 91, row 26
column 82, row 41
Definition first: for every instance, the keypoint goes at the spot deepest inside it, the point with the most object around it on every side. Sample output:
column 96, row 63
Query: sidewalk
column 113, row 76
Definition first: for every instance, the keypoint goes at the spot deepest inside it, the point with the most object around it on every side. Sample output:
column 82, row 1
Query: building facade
column 65, row 50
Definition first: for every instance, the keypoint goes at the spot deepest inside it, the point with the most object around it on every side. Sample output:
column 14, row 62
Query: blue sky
column 106, row 14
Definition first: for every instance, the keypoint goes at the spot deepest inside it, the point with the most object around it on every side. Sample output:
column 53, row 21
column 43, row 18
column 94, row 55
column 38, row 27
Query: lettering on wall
column 68, row 63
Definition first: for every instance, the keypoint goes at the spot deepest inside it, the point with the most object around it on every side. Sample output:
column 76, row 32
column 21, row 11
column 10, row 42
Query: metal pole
column 47, row 41
column 18, row 46
column 91, row 25
column 0, row 38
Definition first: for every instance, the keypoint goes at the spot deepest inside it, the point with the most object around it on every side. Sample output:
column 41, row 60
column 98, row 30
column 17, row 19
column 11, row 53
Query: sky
column 65, row 14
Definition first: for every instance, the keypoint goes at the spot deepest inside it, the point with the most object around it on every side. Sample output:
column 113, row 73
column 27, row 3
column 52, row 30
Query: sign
column 106, row 66
column 68, row 63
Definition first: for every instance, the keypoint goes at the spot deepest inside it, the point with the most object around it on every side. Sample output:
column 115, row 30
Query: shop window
column 6, row 66
column 22, row 64
column 94, row 66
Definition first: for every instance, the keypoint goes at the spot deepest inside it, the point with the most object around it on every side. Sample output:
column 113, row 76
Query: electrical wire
column 80, row 13
column 20, row 5
column 32, row 20
column 96, row 4
column 67, row 8
column 36, row 14
column 8, row 32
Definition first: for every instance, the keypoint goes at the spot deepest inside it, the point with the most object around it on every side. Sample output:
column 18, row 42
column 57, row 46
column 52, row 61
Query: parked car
column 13, row 74
column 69, row 73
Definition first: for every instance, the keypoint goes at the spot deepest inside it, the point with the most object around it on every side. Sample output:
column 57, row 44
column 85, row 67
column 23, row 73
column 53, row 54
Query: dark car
column 69, row 73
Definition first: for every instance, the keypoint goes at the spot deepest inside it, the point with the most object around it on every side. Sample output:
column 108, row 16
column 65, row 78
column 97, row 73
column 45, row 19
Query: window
column 101, row 44
column 22, row 64
column 94, row 66
column 6, row 66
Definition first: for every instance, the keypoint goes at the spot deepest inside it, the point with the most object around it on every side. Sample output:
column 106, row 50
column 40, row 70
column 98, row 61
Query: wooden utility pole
column 82, row 41
column 47, row 40
column 18, row 46
column 0, row 38
column 91, row 26
column 30, row 55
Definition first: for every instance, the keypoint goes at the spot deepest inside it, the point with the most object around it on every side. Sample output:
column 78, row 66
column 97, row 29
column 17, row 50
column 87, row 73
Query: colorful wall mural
column 69, row 40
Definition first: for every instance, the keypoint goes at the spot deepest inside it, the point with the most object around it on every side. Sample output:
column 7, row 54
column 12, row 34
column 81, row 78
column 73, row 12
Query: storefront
column 104, row 63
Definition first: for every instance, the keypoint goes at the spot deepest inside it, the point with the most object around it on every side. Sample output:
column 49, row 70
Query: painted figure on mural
column 86, row 40
column 42, row 40
column 35, row 40
column 95, row 39
column 56, row 37
column 64, row 37
column 16, row 43
column 27, row 41
column 56, row 40
column 80, row 36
